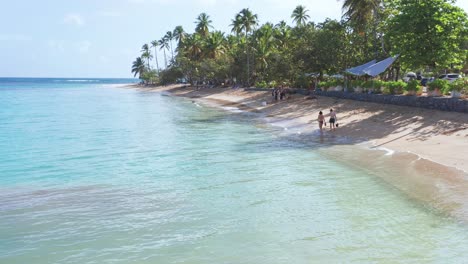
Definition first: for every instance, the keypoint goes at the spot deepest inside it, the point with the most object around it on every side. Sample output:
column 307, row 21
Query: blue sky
column 100, row 38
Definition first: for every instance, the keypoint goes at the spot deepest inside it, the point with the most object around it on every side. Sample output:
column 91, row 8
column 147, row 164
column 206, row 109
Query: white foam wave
column 82, row 80
column 388, row 152
column 232, row 109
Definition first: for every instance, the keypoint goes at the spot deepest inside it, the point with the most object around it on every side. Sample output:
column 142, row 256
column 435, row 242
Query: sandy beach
column 438, row 136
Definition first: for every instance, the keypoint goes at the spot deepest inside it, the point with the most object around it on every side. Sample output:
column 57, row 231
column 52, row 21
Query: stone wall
column 437, row 103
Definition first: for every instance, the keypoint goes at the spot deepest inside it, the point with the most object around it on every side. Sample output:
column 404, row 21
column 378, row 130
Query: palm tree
column 299, row 15
column 203, row 24
column 154, row 44
column 179, row 34
column 282, row 34
column 245, row 21
column 163, row 45
column 193, row 47
column 146, row 54
column 169, row 37
column 138, row 67
column 215, row 44
column 361, row 12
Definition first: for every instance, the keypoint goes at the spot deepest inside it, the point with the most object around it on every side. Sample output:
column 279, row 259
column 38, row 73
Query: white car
column 450, row 76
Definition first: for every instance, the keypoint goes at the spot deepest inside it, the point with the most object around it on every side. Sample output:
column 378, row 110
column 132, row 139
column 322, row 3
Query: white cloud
column 74, row 19
column 83, row 46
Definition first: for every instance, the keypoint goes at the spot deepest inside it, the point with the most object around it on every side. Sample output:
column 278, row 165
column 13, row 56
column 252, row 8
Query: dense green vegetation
column 429, row 35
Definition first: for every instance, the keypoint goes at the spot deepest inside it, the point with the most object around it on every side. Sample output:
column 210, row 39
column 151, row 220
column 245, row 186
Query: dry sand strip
column 438, row 136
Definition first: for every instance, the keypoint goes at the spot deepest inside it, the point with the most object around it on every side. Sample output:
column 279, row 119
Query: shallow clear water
column 92, row 174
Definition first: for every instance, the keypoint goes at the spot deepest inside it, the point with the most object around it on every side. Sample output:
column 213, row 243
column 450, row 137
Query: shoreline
column 437, row 136
column 415, row 151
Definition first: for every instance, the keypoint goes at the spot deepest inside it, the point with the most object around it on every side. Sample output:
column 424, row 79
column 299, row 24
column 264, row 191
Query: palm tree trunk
column 172, row 51
column 165, row 59
column 248, row 60
column 156, row 58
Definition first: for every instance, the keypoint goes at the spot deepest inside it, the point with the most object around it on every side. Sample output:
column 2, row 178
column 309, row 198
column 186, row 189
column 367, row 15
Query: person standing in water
column 332, row 120
column 321, row 120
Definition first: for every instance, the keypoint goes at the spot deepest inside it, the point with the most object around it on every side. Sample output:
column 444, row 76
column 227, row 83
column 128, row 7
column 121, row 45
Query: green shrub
column 337, row 82
column 399, row 87
column 261, row 84
column 458, row 85
column 413, row 86
column 324, row 85
column 356, row 83
column 378, row 84
column 387, row 88
column 273, row 84
column 394, row 87
column 367, row 84
column 440, row 84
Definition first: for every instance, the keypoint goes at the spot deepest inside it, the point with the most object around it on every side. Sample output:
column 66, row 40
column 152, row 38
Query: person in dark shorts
column 321, row 120
column 332, row 120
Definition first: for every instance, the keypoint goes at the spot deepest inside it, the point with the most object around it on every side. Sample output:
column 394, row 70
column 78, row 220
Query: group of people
column 332, row 121
column 279, row 93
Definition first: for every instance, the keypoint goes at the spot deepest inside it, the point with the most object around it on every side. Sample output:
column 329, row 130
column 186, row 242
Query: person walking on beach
column 332, row 120
column 275, row 93
column 321, row 120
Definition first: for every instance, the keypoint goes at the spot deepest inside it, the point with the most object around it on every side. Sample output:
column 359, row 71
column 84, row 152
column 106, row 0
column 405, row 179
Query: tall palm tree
column 245, row 21
column 179, row 34
column 169, row 37
column 138, row 67
column 146, row 53
column 203, row 24
column 299, row 15
column 154, row 44
column 361, row 12
column 147, row 56
column 163, row 45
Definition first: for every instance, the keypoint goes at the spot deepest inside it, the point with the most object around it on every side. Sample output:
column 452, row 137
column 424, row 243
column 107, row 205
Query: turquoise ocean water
column 92, row 173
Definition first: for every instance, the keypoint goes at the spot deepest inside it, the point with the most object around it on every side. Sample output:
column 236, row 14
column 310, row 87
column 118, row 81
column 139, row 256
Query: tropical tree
column 146, row 53
column 300, row 16
column 245, row 21
column 169, row 37
column 155, row 44
column 203, row 24
column 138, row 67
column 164, row 45
column 282, row 34
column 265, row 46
column 361, row 12
column 214, row 45
column 437, row 40
column 364, row 17
column 193, row 47
column 179, row 34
